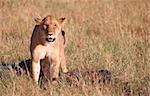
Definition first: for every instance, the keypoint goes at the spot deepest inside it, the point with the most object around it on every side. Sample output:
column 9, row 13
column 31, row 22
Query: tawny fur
column 51, row 53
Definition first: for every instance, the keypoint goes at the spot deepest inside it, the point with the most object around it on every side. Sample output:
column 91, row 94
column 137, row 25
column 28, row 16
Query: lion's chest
column 52, row 50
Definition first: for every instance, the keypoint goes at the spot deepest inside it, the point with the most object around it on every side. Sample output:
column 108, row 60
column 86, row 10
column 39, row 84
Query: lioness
column 47, row 43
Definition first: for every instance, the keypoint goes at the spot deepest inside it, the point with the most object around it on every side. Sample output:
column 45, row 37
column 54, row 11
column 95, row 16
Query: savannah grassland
column 101, row 34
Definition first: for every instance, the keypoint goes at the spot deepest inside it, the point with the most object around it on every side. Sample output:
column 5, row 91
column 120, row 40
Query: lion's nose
column 50, row 38
column 50, row 34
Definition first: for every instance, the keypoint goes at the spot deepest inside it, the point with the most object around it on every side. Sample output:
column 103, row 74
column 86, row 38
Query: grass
column 105, row 34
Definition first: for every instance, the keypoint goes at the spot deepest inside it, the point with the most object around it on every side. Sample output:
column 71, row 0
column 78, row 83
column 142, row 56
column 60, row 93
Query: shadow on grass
column 77, row 78
column 24, row 68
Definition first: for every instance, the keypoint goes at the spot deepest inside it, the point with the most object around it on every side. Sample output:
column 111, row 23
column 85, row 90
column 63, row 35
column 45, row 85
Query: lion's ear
column 61, row 20
column 37, row 20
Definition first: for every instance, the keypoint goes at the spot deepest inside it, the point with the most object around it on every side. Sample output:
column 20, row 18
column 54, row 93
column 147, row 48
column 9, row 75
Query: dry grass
column 106, row 34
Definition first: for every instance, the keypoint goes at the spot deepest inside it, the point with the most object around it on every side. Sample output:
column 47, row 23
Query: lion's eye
column 46, row 26
column 55, row 25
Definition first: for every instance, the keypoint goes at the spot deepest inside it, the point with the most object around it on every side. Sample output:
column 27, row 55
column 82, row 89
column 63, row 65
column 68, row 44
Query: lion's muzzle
column 50, row 38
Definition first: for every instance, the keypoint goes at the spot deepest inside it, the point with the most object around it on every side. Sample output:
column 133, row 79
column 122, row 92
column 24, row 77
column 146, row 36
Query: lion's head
column 51, row 26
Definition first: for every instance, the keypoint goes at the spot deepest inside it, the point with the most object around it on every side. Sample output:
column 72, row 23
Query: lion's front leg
column 63, row 64
column 63, row 61
column 38, row 54
column 55, row 66
column 35, row 70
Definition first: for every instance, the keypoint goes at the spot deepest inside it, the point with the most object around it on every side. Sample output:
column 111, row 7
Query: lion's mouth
column 50, row 39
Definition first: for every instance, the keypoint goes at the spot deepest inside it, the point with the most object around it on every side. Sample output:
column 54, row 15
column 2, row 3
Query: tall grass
column 106, row 34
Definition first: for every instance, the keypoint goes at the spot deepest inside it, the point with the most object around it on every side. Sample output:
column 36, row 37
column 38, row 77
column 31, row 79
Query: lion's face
column 51, row 27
